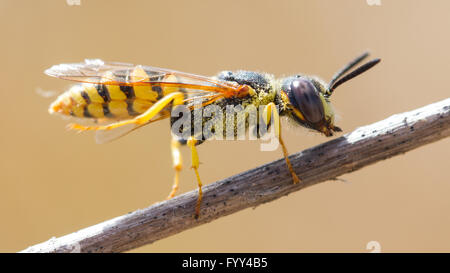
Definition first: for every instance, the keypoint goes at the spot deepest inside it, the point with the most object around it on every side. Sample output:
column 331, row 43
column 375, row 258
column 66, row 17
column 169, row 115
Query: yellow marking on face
column 142, row 91
column 298, row 114
column 329, row 114
column 141, row 106
column 92, row 93
column 96, row 110
column 118, row 108
column 170, row 89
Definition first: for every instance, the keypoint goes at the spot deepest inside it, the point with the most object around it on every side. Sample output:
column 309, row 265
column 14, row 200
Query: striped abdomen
column 112, row 101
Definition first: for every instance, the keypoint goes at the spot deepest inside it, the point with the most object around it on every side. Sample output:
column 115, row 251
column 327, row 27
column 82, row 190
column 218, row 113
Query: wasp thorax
column 304, row 96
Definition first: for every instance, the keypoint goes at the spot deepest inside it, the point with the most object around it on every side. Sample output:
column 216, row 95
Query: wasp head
column 308, row 105
column 307, row 98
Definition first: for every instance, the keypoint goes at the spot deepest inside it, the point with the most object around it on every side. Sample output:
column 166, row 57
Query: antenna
column 347, row 68
column 363, row 68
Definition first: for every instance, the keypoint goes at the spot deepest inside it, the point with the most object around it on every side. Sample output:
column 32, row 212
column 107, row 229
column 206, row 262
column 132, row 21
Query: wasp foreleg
column 269, row 111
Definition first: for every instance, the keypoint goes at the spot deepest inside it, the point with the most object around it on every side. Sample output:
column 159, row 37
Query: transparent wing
column 194, row 87
column 111, row 73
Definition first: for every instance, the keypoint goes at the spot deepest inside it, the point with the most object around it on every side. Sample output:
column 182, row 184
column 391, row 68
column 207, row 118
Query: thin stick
column 366, row 145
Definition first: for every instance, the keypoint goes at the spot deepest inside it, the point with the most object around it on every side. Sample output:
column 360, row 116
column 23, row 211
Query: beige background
column 53, row 182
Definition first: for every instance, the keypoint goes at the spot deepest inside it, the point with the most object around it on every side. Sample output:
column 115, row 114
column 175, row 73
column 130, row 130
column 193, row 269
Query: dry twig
column 366, row 145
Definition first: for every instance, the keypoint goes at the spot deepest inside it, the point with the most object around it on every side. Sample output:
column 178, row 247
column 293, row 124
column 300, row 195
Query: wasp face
column 308, row 105
column 306, row 98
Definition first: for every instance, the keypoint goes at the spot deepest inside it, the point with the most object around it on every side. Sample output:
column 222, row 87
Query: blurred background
column 54, row 182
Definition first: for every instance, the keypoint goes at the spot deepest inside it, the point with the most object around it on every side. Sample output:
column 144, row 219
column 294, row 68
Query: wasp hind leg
column 270, row 111
column 175, row 98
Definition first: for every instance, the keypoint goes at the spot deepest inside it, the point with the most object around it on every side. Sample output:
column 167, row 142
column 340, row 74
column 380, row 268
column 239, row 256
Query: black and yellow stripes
column 143, row 92
column 114, row 100
column 128, row 91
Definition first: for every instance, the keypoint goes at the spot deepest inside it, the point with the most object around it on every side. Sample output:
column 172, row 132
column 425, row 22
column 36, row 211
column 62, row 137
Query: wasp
column 123, row 97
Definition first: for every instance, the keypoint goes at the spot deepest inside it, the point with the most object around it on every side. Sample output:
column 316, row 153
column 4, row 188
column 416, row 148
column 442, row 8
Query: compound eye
column 307, row 100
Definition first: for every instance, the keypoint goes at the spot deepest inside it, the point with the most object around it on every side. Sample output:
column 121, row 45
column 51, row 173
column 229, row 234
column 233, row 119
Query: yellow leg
column 195, row 163
column 176, row 97
column 267, row 115
column 177, row 165
column 288, row 163
column 271, row 108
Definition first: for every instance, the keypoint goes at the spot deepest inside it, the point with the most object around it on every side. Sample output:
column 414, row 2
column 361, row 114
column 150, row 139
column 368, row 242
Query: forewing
column 99, row 72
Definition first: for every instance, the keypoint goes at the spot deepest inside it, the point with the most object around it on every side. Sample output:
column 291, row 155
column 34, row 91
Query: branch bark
column 366, row 145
